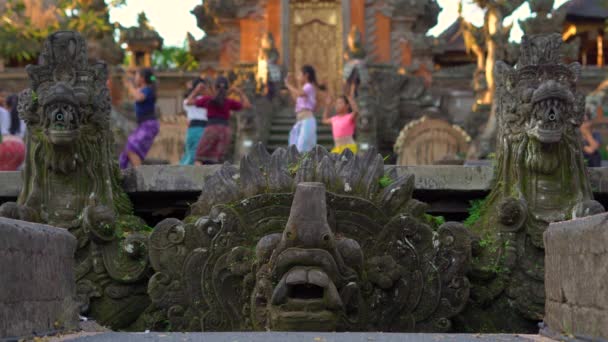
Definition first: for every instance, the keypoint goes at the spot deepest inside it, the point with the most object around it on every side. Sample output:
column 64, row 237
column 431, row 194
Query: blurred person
column 217, row 136
column 143, row 90
column 344, row 122
column 592, row 141
column 304, row 132
column 12, row 130
column 197, row 120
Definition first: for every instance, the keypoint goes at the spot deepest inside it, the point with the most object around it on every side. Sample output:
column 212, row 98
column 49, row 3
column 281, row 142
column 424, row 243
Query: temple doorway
column 316, row 38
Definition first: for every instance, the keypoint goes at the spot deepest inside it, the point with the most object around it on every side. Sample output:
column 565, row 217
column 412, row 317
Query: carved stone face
column 551, row 100
column 62, row 123
column 308, row 268
column 61, row 119
column 354, row 257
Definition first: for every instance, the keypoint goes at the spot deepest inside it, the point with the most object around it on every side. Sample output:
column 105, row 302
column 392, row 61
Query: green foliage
column 21, row 38
column 174, row 57
column 385, row 181
column 434, row 221
column 293, row 168
column 475, row 211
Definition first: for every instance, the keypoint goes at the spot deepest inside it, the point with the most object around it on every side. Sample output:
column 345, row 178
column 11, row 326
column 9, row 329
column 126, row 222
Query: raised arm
column 293, row 90
column 191, row 100
column 133, row 92
column 243, row 98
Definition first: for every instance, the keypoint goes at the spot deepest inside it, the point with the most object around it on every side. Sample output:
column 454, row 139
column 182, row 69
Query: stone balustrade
column 37, row 283
column 576, row 255
column 160, row 190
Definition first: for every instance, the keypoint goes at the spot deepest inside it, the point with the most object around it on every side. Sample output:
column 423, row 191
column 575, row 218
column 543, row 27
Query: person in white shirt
column 10, row 124
column 197, row 120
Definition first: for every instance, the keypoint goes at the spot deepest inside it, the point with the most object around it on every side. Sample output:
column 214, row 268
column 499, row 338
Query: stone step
column 280, row 121
column 272, row 147
column 287, row 128
column 321, row 138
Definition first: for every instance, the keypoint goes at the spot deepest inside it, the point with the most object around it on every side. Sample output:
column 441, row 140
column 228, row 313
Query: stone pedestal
column 37, row 285
column 576, row 276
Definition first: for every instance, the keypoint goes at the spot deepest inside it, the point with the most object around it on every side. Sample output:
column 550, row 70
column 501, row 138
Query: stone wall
column 37, row 279
column 576, row 277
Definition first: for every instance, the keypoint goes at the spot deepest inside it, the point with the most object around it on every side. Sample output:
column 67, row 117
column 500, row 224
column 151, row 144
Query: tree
column 22, row 38
column 174, row 57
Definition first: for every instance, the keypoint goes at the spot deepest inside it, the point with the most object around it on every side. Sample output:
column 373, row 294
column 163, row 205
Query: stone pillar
column 600, row 50
column 285, row 32
column 584, row 57
column 346, row 21
column 576, row 255
column 37, row 295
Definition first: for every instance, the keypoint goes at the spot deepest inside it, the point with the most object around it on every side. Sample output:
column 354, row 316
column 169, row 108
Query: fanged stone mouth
column 306, row 289
column 549, row 122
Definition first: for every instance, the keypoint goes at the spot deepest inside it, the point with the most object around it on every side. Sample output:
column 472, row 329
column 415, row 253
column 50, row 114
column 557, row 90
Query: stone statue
column 219, row 20
column 350, row 250
column 540, row 178
column 547, row 20
column 354, row 62
column 387, row 103
column 269, row 72
column 71, row 180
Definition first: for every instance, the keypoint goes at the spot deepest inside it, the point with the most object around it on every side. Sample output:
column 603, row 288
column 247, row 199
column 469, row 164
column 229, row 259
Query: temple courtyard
column 366, row 170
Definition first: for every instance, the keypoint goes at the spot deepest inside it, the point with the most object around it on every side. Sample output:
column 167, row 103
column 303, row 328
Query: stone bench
column 37, row 285
column 576, row 278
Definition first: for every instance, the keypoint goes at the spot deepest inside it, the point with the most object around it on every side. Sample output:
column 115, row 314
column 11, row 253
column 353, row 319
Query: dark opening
column 306, row 291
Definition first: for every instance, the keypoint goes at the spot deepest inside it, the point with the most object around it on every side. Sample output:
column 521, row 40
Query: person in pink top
column 343, row 124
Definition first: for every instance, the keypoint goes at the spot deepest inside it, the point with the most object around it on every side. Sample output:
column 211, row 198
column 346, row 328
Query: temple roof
column 586, row 9
column 452, row 36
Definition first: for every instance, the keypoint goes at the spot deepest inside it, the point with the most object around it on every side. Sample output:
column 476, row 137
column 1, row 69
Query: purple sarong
column 140, row 141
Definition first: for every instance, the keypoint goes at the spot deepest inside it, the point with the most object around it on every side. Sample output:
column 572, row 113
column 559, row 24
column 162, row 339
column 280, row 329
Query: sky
column 172, row 18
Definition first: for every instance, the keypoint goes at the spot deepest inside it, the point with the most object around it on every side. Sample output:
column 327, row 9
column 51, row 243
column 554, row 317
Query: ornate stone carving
column 315, row 38
column 141, row 40
column 71, row 180
column 549, row 21
column 540, row 178
column 355, row 68
column 388, row 102
column 428, row 141
column 219, row 20
column 346, row 252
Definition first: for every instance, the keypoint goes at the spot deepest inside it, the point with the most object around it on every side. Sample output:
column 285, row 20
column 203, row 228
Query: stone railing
column 576, row 255
column 38, row 289
column 161, row 191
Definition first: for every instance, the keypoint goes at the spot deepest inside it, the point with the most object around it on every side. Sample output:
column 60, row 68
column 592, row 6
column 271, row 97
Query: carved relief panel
column 316, row 39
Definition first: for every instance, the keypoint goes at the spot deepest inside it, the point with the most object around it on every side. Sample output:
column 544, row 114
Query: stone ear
column 576, row 70
column 502, row 73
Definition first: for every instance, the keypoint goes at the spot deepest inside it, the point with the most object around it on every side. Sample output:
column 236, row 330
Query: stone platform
column 36, row 279
column 576, row 276
column 299, row 337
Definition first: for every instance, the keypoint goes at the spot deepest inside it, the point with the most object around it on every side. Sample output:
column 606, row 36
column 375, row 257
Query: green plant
column 434, row 221
column 174, row 57
column 475, row 211
column 385, row 181
column 22, row 38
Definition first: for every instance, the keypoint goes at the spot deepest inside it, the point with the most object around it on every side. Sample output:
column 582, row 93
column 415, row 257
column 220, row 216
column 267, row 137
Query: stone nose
column 307, row 225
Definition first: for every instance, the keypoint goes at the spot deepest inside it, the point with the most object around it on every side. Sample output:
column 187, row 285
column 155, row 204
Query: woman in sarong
column 143, row 90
